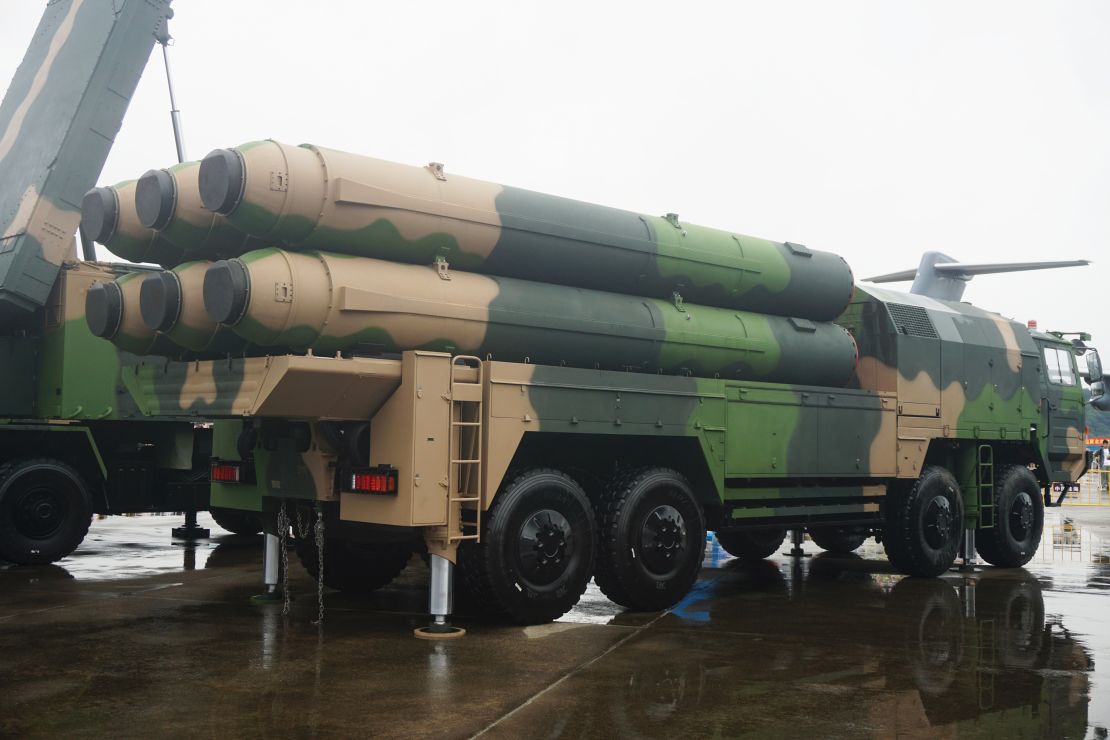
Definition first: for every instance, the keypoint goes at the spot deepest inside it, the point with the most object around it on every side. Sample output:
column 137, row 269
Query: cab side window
column 1058, row 364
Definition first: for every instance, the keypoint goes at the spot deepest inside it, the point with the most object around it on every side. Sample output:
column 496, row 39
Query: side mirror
column 1094, row 368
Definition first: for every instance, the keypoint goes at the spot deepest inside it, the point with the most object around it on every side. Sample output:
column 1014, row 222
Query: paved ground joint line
column 577, row 669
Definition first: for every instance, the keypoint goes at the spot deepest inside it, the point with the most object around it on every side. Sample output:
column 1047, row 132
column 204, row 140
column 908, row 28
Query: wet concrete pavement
column 136, row 636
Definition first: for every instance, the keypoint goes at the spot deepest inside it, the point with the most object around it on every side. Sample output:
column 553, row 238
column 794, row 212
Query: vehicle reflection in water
column 892, row 656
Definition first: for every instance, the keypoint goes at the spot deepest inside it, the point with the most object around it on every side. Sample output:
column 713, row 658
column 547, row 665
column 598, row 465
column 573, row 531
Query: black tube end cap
column 226, row 291
column 156, row 199
column 99, row 214
column 221, row 176
column 104, row 309
column 160, row 301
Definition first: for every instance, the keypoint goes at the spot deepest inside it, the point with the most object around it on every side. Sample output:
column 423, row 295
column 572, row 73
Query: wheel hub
column 543, row 546
column 663, row 540
column 38, row 513
column 1021, row 516
column 938, row 522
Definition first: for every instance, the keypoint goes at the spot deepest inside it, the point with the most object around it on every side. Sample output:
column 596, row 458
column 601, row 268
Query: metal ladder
column 464, row 452
column 985, row 479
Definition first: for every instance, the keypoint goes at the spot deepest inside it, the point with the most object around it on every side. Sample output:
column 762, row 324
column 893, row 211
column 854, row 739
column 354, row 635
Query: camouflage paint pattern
column 57, row 121
column 961, row 372
column 172, row 305
column 310, row 197
column 771, row 452
column 328, row 303
column 108, row 216
column 168, row 201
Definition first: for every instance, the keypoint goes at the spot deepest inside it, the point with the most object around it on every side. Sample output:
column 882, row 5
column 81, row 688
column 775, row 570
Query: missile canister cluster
column 323, row 251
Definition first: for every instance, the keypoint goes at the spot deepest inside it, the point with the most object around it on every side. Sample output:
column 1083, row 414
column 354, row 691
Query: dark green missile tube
column 328, row 303
column 309, row 197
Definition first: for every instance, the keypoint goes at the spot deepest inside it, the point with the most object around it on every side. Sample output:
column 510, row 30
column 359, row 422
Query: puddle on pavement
column 825, row 645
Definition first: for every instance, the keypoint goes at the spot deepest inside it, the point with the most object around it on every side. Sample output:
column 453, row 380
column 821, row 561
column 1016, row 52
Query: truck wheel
column 756, row 544
column 1018, row 520
column 537, row 550
column 45, row 510
column 236, row 521
column 840, row 540
column 356, row 567
column 924, row 523
column 652, row 538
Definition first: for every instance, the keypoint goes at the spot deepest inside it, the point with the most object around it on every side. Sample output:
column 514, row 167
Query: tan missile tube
column 327, row 303
column 168, row 201
column 112, row 313
column 108, row 216
column 310, row 197
column 172, row 304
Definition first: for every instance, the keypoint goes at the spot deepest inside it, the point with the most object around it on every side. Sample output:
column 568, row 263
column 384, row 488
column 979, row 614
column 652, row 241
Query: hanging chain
column 283, row 540
column 319, row 530
column 302, row 526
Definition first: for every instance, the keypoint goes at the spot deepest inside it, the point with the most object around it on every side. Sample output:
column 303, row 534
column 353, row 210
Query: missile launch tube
column 108, row 216
column 309, row 197
column 327, row 303
column 168, row 201
column 112, row 312
column 172, row 304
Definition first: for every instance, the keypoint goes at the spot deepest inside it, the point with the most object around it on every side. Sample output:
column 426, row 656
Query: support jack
column 271, row 572
column 191, row 530
column 968, row 552
column 797, row 537
column 440, row 603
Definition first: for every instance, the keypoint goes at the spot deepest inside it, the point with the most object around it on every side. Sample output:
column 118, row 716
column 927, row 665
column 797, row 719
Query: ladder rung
column 465, row 462
column 464, row 500
column 461, row 537
column 466, row 423
column 466, row 392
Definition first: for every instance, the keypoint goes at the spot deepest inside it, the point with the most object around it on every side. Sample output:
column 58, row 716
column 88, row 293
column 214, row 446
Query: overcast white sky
column 875, row 130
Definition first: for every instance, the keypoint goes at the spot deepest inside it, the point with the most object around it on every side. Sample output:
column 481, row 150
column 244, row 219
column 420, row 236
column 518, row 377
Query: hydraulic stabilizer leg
column 191, row 530
column 271, row 561
column 440, row 602
column 797, row 537
column 969, row 550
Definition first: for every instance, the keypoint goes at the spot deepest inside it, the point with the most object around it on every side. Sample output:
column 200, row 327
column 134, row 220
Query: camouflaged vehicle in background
column 73, row 442
column 547, row 391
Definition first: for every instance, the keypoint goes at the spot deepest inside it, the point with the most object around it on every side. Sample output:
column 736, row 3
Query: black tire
column 237, row 521
column 537, row 550
column 1019, row 520
column 924, row 523
column 839, row 540
column 651, row 539
column 354, row 567
column 45, row 510
column 756, row 544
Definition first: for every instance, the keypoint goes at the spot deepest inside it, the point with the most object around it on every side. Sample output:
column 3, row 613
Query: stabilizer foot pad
column 435, row 632
column 190, row 533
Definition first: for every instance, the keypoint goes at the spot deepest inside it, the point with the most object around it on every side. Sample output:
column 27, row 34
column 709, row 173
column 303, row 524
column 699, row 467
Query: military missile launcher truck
column 73, row 442
column 545, row 391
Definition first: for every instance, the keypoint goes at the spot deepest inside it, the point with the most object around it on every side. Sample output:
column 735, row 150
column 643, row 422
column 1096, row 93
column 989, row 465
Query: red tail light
column 380, row 481
column 226, row 472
